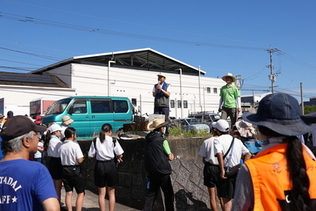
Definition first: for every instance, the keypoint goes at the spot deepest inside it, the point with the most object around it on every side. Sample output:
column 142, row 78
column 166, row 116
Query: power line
column 25, row 19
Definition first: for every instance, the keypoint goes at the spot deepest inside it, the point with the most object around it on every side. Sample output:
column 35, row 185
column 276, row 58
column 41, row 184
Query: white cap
column 221, row 125
column 54, row 127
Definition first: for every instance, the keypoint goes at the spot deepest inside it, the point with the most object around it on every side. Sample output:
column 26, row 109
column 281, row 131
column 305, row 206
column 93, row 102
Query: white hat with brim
column 156, row 123
column 161, row 74
column 230, row 76
column 245, row 129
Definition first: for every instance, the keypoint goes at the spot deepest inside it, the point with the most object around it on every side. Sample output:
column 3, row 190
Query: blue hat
column 279, row 112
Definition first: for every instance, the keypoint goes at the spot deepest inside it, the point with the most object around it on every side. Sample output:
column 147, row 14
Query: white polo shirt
column 105, row 150
column 70, row 151
column 53, row 147
column 238, row 149
column 207, row 150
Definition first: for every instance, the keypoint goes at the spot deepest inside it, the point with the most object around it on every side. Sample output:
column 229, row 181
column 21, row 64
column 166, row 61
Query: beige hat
column 67, row 120
column 1, row 116
column 156, row 123
column 229, row 75
column 245, row 129
column 161, row 74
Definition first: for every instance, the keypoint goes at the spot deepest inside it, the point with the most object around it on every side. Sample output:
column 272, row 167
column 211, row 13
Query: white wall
column 138, row 83
column 17, row 98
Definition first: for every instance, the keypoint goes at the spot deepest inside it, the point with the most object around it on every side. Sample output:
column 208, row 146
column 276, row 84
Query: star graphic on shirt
column 14, row 199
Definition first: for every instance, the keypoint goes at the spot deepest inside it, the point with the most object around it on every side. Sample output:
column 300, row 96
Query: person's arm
column 238, row 100
column 220, row 104
column 244, row 195
column 51, row 204
column 167, row 150
column 247, row 156
column 92, row 151
column 221, row 165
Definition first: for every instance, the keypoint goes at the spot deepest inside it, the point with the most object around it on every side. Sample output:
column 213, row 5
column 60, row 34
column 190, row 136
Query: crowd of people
column 240, row 171
column 27, row 186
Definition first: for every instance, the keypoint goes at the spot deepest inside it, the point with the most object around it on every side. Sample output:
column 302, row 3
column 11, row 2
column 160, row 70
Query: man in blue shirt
column 24, row 185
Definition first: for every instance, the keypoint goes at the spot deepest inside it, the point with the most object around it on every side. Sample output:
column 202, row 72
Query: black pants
column 158, row 181
column 231, row 113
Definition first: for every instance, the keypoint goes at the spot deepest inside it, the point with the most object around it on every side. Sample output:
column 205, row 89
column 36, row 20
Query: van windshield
column 58, row 107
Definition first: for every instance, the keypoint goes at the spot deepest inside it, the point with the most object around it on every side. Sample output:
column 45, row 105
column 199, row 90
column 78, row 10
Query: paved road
column 91, row 202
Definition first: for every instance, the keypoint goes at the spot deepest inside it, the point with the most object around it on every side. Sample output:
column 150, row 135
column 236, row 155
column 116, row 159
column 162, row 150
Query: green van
column 90, row 113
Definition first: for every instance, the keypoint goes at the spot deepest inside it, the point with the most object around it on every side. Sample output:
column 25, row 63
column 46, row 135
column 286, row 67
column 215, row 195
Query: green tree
column 309, row 109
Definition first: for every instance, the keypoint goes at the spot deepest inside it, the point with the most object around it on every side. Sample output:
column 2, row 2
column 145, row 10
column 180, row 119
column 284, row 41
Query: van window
column 100, row 106
column 79, row 107
column 120, row 106
column 58, row 107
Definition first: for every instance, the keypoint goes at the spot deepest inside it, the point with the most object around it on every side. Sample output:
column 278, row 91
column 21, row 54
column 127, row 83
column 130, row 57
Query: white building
column 130, row 74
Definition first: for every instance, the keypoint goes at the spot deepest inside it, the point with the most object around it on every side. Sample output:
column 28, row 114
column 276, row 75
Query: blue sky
column 219, row 36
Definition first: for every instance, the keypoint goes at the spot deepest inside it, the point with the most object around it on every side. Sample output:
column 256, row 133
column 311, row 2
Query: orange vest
column 270, row 179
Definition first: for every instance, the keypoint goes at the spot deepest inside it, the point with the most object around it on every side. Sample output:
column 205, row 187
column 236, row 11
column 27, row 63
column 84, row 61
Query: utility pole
column 272, row 75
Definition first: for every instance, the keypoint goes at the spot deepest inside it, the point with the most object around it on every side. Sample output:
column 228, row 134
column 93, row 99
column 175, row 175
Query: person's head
column 106, row 129
column 229, row 78
column 55, row 129
column 158, row 125
column 66, row 120
column 161, row 77
column 221, row 126
column 70, row 133
column 9, row 114
column 19, row 133
column 1, row 116
column 278, row 115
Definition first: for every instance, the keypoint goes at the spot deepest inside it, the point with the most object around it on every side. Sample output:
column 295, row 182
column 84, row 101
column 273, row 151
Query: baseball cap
column 19, row 125
column 221, row 125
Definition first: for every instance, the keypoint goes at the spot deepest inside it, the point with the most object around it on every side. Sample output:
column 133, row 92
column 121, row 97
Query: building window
column 215, row 90
column 185, row 104
column 179, row 103
column 208, row 89
column 172, row 103
column 134, row 101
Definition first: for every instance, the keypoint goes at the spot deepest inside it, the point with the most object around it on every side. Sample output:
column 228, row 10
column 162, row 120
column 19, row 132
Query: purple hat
column 279, row 112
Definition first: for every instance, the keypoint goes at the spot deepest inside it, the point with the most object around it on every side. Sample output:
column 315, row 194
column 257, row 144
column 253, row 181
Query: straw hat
column 67, row 120
column 156, row 123
column 161, row 74
column 230, row 76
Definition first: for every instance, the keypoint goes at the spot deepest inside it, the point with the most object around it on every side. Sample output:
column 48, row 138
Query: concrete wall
column 187, row 176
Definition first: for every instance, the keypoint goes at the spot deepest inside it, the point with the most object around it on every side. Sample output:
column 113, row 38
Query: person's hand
column 171, row 156
column 239, row 110
column 158, row 87
column 222, row 174
column 119, row 158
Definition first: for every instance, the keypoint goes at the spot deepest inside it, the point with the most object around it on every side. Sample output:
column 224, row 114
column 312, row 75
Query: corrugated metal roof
column 144, row 58
column 26, row 79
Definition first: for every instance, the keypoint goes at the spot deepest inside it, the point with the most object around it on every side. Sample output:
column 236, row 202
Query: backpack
column 253, row 145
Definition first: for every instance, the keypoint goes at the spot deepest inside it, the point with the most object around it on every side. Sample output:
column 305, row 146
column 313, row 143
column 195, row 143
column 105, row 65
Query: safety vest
column 270, row 179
